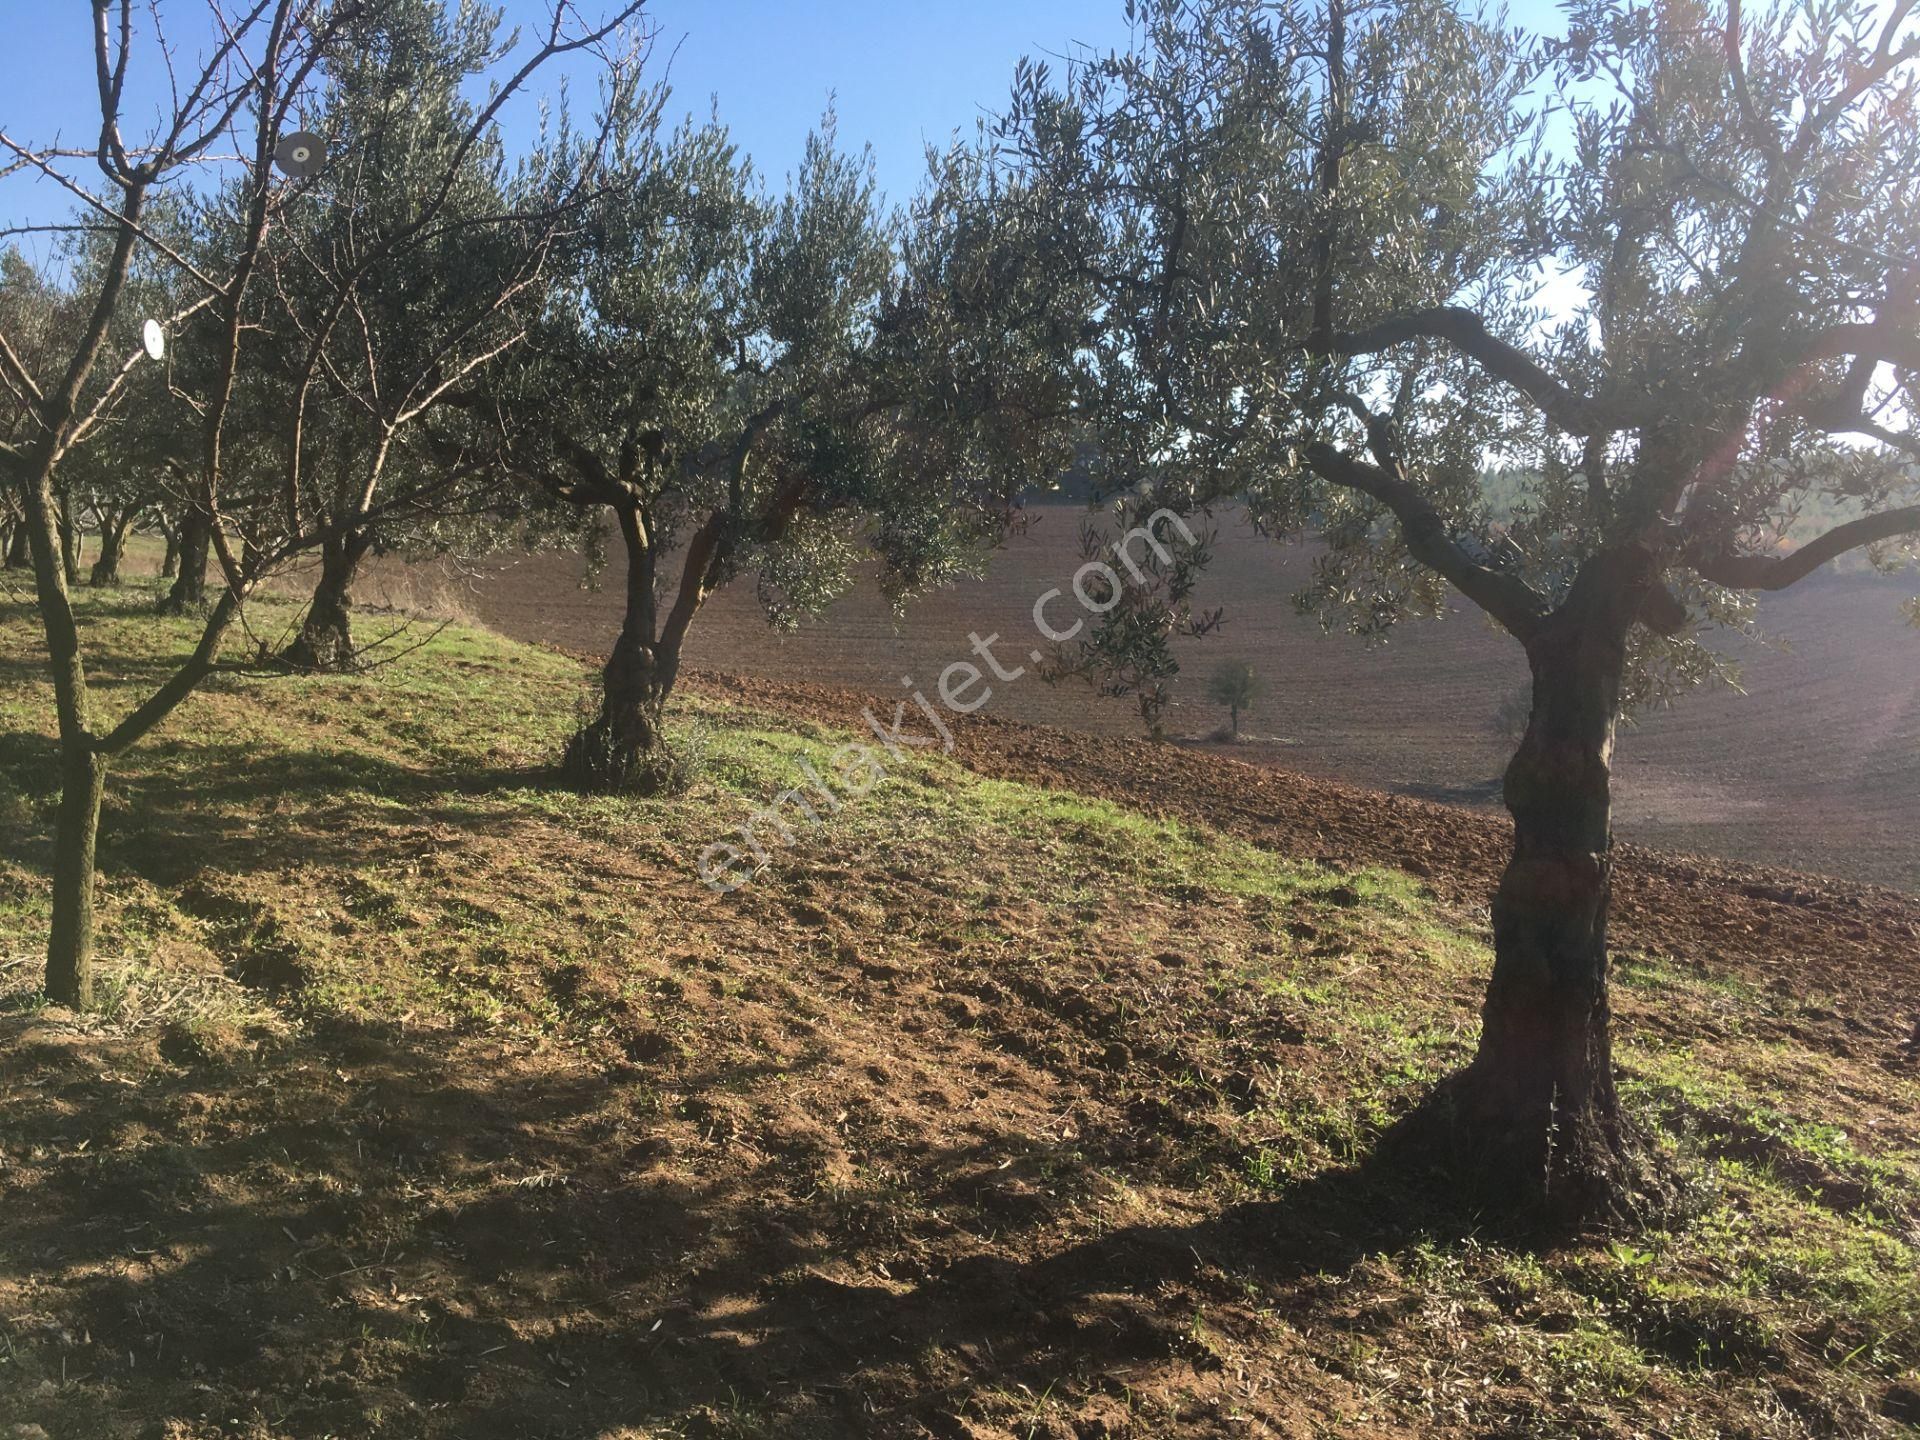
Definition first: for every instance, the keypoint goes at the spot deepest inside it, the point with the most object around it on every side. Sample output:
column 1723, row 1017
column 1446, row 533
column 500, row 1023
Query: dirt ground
column 1816, row 767
column 1839, row 937
column 1035, row 1097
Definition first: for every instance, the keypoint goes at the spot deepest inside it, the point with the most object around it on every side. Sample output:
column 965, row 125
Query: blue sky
column 900, row 74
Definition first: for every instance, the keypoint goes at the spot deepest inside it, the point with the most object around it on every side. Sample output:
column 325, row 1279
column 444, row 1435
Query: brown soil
column 1807, row 933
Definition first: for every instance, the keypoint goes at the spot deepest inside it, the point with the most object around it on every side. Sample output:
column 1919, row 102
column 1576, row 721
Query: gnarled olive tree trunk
column 1538, row 1102
column 189, row 588
column 325, row 641
column 623, row 746
column 114, row 525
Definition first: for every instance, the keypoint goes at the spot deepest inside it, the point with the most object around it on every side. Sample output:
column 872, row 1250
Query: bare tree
column 233, row 108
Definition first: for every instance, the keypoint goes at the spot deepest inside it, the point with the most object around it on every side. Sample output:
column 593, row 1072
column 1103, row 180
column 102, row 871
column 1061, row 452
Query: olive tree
column 774, row 386
column 1317, row 238
column 31, row 316
column 400, row 273
column 40, row 310
column 1235, row 686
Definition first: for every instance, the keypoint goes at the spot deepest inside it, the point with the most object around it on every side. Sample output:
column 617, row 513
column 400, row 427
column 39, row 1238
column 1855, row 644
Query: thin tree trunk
column 82, row 765
column 189, row 589
column 1541, row 1113
column 17, row 555
column 83, row 778
column 623, row 746
column 325, row 642
column 83, row 769
column 69, row 546
column 170, row 560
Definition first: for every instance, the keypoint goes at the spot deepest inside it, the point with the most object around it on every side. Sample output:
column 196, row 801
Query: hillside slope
column 1816, row 766
column 1031, row 1095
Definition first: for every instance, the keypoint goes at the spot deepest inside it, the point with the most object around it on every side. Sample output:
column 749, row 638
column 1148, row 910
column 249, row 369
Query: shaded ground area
column 1816, row 767
column 1027, row 1096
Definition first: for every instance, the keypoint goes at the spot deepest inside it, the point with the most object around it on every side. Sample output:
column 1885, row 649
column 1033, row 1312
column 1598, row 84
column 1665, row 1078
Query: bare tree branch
column 1879, row 340
column 17, row 371
column 1572, row 411
column 104, row 401
column 116, row 219
column 1777, row 572
column 1507, row 598
column 111, row 77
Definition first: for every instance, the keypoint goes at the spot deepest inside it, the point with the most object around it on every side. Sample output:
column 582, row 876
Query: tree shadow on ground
column 120, row 679
column 453, row 1240
column 164, row 821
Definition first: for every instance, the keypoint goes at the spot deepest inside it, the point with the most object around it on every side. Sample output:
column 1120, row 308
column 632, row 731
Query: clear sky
column 901, row 74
